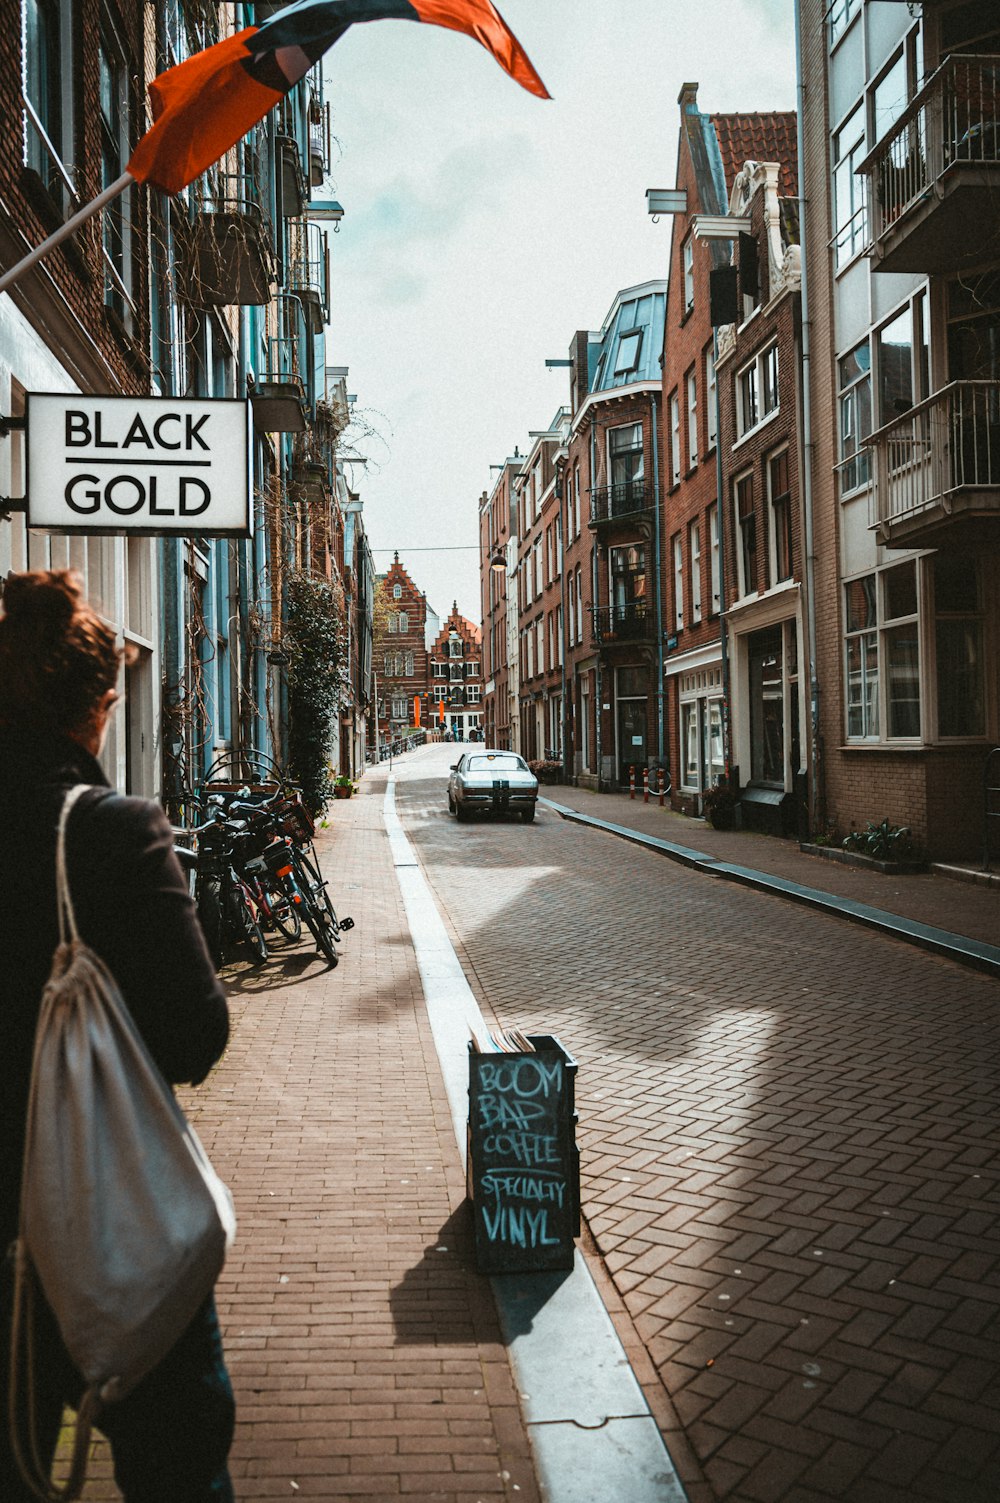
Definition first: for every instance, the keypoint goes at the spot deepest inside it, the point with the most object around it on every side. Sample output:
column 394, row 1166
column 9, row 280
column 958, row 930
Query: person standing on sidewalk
column 59, row 667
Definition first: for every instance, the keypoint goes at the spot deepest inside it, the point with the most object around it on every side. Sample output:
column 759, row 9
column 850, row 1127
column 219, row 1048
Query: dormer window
column 397, row 592
column 629, row 346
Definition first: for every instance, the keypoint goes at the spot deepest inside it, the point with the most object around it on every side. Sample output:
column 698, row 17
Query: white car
column 497, row 782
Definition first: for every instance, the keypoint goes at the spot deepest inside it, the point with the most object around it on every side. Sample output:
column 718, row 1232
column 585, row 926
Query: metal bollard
column 645, row 785
column 631, row 782
column 660, row 780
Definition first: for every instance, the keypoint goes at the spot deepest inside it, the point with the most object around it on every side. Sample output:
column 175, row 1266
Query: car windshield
column 494, row 762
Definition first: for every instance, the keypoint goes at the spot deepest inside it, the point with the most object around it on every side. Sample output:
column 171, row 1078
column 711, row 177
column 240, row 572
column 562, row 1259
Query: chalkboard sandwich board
column 523, row 1163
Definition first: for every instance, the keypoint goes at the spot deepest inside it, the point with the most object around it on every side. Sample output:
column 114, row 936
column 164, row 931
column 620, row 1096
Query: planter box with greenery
column 719, row 805
column 547, row 772
column 885, row 847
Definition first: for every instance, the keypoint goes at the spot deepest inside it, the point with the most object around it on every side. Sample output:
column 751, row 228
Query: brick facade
column 400, row 652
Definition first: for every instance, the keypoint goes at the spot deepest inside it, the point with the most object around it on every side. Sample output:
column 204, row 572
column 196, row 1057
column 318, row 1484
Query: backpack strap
column 64, row 902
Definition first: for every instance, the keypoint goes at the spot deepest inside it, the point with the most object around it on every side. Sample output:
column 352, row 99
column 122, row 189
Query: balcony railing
column 932, row 176
column 938, row 463
column 309, row 270
column 228, row 257
column 623, row 623
column 608, row 502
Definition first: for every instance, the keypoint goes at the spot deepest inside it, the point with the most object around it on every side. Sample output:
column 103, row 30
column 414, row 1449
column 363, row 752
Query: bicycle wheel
column 314, row 881
column 243, row 923
column 320, row 929
column 284, row 913
column 209, row 900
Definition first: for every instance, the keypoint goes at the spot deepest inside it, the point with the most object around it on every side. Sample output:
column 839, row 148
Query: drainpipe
column 815, row 799
column 659, row 589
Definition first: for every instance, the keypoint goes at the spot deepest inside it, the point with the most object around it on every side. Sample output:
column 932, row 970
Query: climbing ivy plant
column 315, row 640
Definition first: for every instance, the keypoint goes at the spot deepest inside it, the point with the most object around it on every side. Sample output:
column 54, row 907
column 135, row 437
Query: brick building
column 455, row 688
column 767, row 635
column 498, row 575
column 712, row 150
column 901, row 172
column 538, row 515
column 404, row 630
column 612, row 481
column 79, row 319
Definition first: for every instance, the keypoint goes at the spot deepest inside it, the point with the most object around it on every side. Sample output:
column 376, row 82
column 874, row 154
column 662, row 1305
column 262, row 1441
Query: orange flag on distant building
column 206, row 104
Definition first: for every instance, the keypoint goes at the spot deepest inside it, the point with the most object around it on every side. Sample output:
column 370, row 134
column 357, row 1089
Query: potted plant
column 343, row 786
column 719, row 806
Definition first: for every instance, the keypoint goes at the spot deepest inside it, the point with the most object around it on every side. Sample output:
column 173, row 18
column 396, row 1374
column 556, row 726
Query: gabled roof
column 768, row 137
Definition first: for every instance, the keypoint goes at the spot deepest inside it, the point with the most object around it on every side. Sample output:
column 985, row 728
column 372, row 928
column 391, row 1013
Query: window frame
column 757, row 390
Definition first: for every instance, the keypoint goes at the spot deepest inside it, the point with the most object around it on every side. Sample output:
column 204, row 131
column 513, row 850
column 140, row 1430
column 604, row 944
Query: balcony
column 937, row 472
column 613, row 503
column 226, row 252
column 309, row 271
column 616, row 625
column 279, row 396
column 933, row 179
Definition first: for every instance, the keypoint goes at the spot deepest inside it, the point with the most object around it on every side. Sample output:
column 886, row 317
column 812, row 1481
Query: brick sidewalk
column 963, row 908
column 364, row 1348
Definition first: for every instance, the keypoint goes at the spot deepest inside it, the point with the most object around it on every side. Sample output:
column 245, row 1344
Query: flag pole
column 65, row 230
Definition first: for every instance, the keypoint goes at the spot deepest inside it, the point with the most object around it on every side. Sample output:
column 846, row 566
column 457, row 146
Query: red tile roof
column 759, row 138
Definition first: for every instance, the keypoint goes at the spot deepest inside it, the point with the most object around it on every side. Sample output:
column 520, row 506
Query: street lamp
column 498, row 562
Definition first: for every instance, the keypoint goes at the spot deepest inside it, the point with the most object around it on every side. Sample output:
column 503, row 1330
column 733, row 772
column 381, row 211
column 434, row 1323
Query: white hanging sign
column 152, row 465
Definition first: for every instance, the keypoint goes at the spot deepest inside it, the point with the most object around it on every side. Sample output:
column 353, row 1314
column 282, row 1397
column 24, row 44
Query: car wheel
column 462, row 812
column 451, row 804
column 528, row 815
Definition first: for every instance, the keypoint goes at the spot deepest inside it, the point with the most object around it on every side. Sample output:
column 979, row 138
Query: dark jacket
column 132, row 907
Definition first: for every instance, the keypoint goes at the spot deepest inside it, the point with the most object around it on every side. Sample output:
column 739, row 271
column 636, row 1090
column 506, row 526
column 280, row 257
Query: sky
column 482, row 227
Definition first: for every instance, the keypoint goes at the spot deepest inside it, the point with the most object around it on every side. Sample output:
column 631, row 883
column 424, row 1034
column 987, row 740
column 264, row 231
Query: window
column 404, row 621
column 842, row 13
column 746, row 528
column 538, row 567
column 850, row 218
column 531, row 651
column 629, row 345
column 883, row 643
column 688, row 258
column 116, row 145
column 694, row 560
column 579, row 605
column 958, row 646
column 392, row 622
column 400, row 709
column 692, row 420
column 409, row 665
column 397, row 592
column 862, row 658
column 576, row 504
column 675, row 441
column 455, row 647
column 855, row 377
column 711, row 399
column 472, row 694
column 678, row 552
column 780, row 501
column 48, row 70
column 626, row 461
column 757, row 390
column 715, row 557
column 440, row 670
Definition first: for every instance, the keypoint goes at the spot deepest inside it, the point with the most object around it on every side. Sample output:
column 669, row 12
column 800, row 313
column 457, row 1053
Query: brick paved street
column 363, row 1346
column 789, row 1129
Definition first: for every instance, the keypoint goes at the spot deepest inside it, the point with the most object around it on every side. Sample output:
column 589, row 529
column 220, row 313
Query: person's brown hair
column 57, row 657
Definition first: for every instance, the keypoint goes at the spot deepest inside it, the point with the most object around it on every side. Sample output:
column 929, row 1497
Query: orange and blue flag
column 202, row 107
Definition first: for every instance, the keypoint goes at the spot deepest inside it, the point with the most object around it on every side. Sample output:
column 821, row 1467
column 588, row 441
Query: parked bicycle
column 257, row 871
